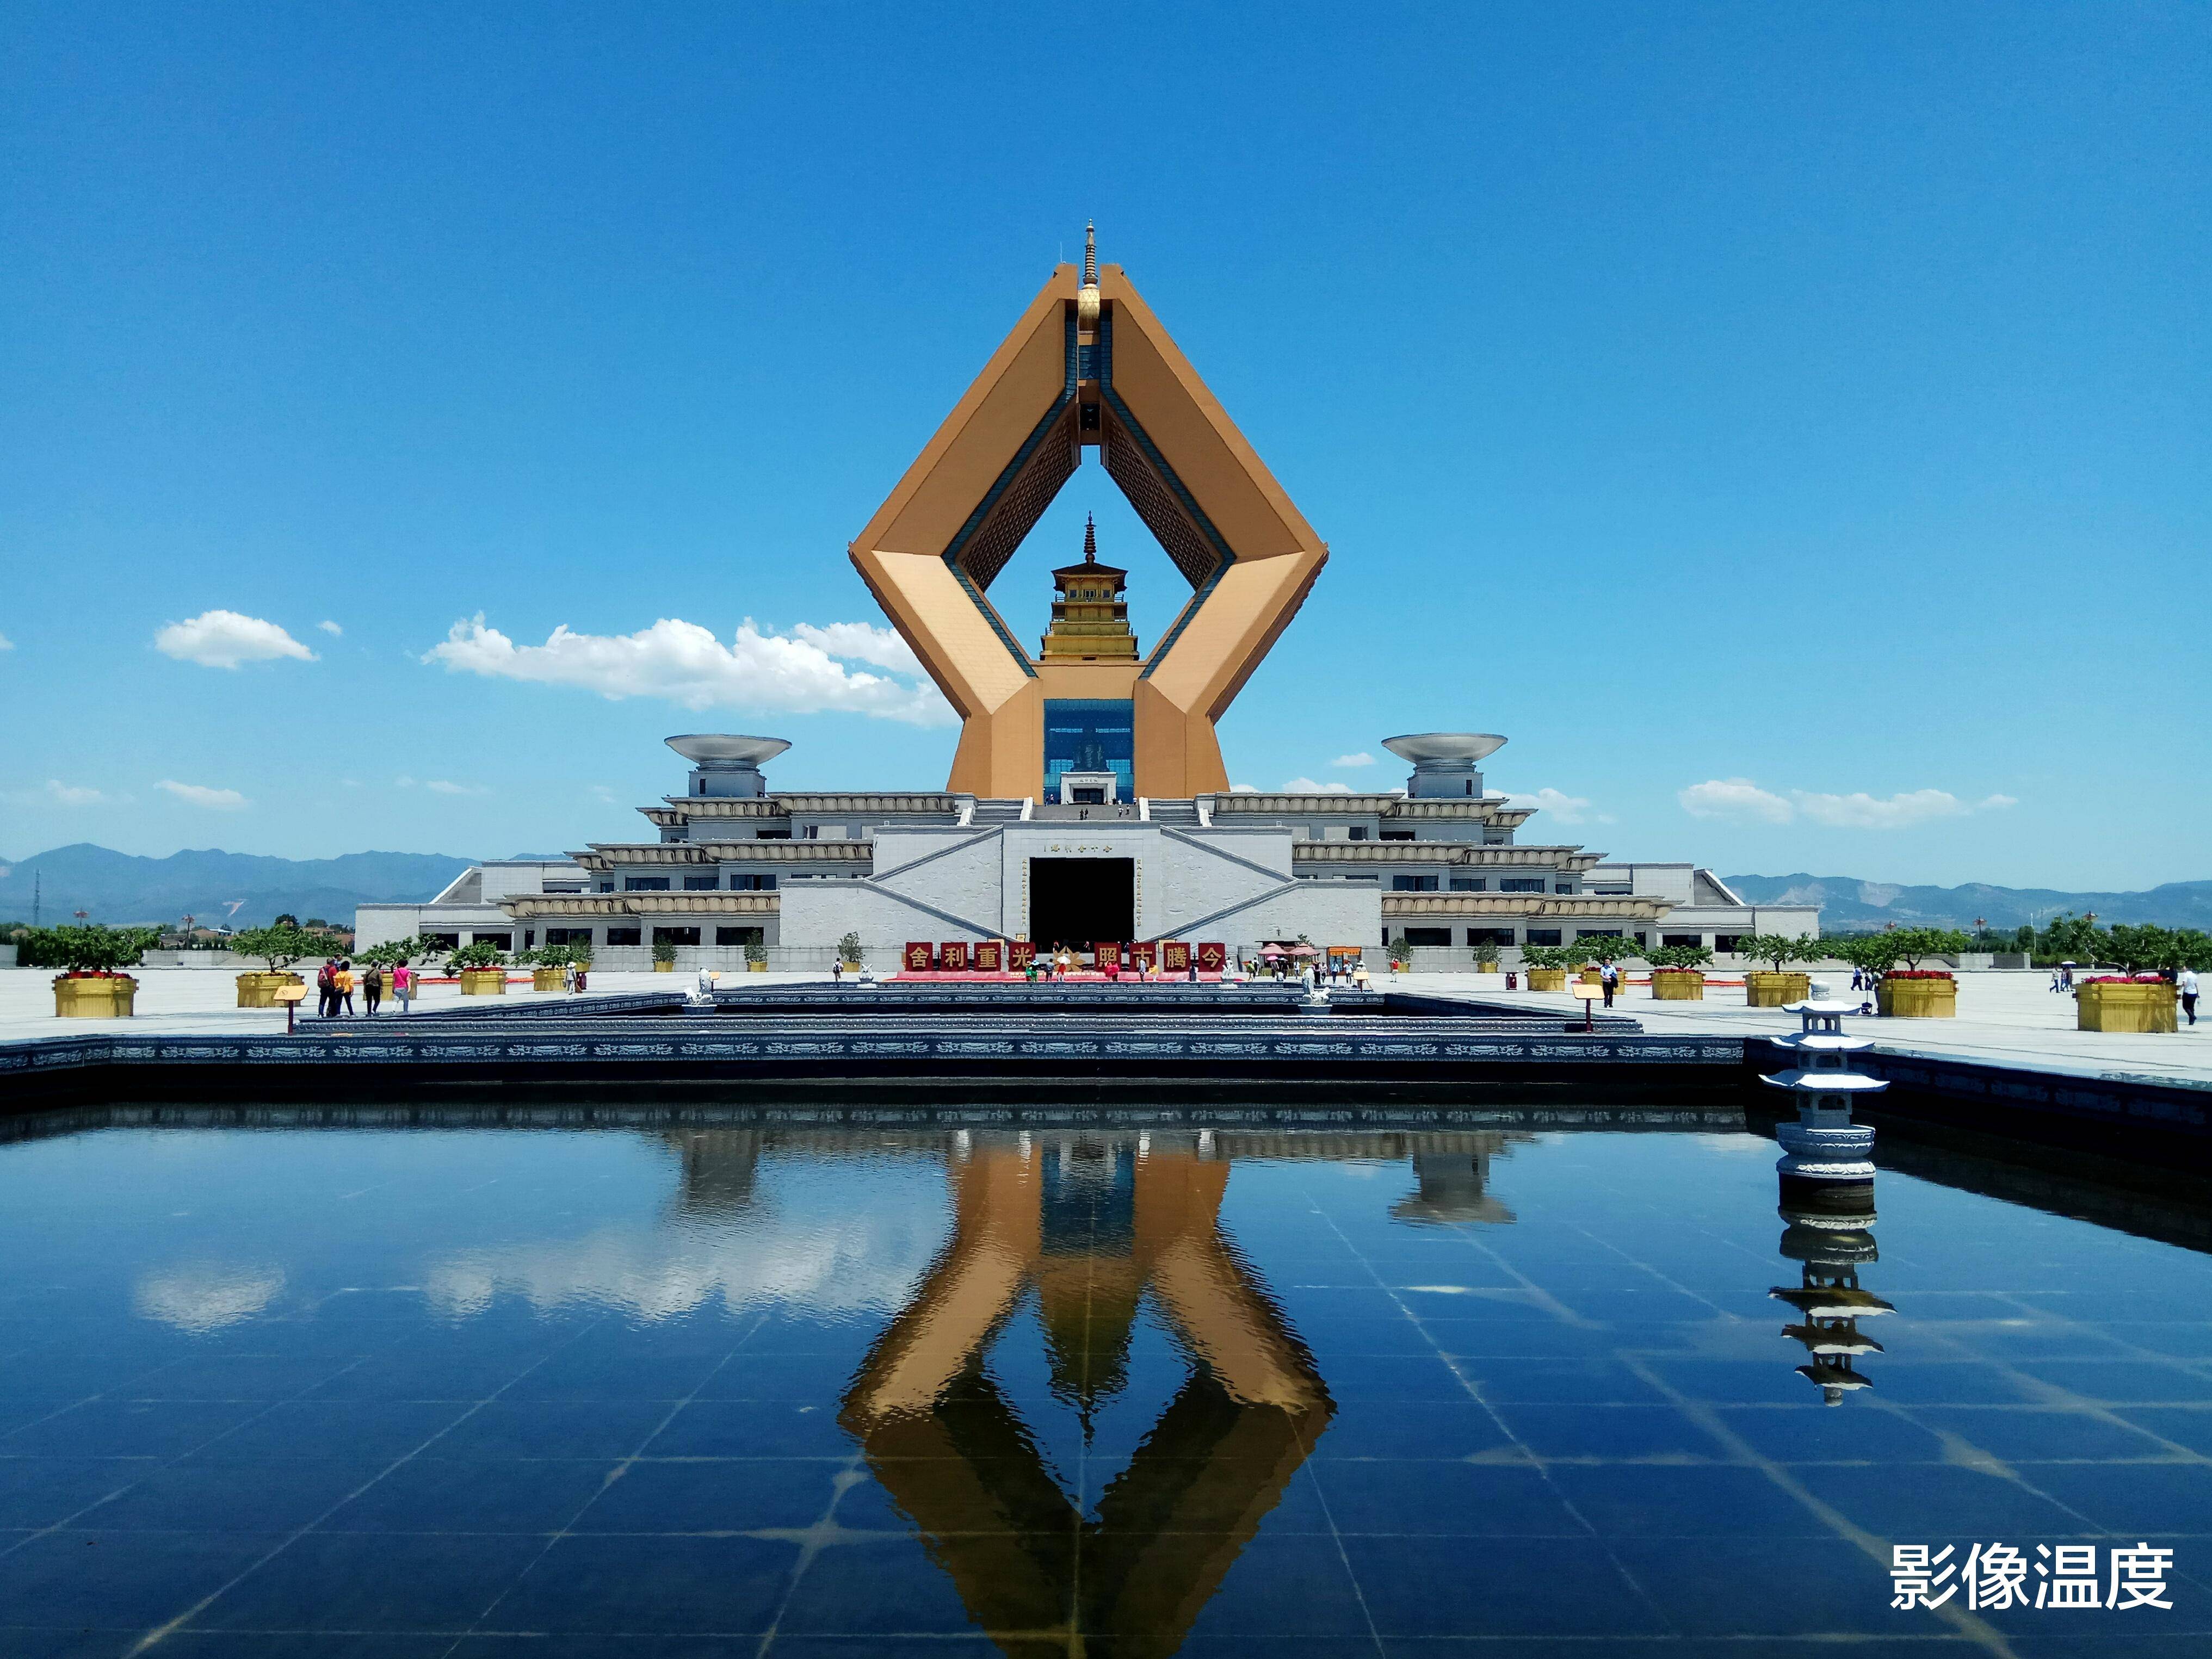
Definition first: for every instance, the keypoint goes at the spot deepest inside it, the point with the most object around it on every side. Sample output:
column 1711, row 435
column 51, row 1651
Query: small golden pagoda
column 1089, row 618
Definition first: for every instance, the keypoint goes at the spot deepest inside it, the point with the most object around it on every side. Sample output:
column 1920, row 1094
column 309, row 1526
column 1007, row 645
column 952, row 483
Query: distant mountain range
column 1852, row 905
column 123, row 889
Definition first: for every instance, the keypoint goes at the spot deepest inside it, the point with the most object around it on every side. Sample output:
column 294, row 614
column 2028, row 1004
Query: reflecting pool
column 813, row 1392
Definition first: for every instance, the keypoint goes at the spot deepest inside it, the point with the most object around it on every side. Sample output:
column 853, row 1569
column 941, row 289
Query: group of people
column 335, row 982
column 1313, row 972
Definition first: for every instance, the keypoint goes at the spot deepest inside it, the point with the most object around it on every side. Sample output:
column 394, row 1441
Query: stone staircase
column 997, row 812
column 1178, row 814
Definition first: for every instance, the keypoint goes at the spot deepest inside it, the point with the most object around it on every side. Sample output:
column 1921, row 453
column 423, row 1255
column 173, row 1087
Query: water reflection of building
column 1092, row 1225
column 721, row 1167
column 1454, row 1186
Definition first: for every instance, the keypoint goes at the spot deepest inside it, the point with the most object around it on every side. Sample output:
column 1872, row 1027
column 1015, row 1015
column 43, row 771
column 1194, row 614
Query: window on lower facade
column 1541, row 936
column 1428, row 936
column 1359, row 832
column 1725, row 944
column 1470, row 883
column 1519, row 885
column 439, row 941
column 701, row 884
column 1565, row 887
column 740, row 935
column 503, row 941
column 1681, row 938
column 676, row 936
column 622, row 936
column 1397, row 835
column 1489, row 936
column 568, row 936
column 529, row 939
column 645, row 883
column 606, row 887
column 772, row 835
column 1413, row 884
column 1597, row 933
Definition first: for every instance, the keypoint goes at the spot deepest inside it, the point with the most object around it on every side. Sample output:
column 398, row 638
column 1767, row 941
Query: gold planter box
column 664, row 967
column 483, row 982
column 547, row 979
column 1918, row 999
column 1678, row 987
column 1765, row 988
column 109, row 998
column 259, row 990
column 756, row 967
column 1547, row 978
column 2127, row 1007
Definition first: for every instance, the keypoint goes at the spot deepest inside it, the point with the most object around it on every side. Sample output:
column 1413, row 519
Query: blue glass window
column 1090, row 734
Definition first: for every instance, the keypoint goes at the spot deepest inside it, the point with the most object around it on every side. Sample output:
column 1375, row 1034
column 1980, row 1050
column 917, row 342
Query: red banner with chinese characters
column 916, row 957
column 1212, row 959
column 1142, row 955
column 1021, row 953
column 1174, row 956
column 952, row 955
column 1106, row 955
column 989, row 953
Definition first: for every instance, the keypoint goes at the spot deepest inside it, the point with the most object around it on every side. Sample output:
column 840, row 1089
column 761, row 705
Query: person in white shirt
column 2187, row 982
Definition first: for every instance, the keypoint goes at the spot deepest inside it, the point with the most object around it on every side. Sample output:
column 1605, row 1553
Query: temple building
column 1087, row 800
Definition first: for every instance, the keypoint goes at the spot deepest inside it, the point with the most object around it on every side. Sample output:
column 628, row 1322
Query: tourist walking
column 343, row 980
column 1608, row 976
column 403, row 986
column 837, row 970
column 371, row 990
column 327, row 989
column 2187, row 982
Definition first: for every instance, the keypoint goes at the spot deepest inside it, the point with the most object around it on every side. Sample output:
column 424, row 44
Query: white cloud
column 882, row 646
column 1307, row 786
column 224, row 639
column 330, row 629
column 1742, row 799
column 447, row 786
column 687, row 664
column 6, row 644
column 199, row 795
column 1362, row 758
column 1864, row 811
column 206, row 1297
column 1563, row 807
column 1733, row 797
column 601, row 792
column 74, row 794
column 1244, row 788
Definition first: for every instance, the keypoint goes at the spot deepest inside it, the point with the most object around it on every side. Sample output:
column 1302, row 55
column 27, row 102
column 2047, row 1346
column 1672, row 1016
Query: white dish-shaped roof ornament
column 1450, row 748
column 726, row 748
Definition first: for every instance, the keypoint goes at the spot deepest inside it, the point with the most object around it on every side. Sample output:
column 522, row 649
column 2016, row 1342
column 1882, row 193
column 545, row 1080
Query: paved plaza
column 2004, row 1019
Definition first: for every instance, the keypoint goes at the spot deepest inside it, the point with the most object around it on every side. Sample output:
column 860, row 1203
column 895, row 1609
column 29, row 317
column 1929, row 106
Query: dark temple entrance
column 1078, row 901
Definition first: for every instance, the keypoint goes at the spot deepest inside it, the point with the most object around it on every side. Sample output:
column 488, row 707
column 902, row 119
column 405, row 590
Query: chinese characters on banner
column 916, row 957
column 1998, row 1576
column 1212, row 959
column 1175, row 956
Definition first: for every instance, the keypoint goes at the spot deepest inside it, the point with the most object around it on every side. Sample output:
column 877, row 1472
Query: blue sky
column 1789, row 425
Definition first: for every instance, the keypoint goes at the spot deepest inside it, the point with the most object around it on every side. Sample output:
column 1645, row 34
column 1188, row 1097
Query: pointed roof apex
column 1090, row 540
column 1089, row 254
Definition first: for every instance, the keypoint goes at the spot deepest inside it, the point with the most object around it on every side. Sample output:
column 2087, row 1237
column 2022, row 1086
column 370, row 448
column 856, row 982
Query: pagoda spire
column 1090, row 540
